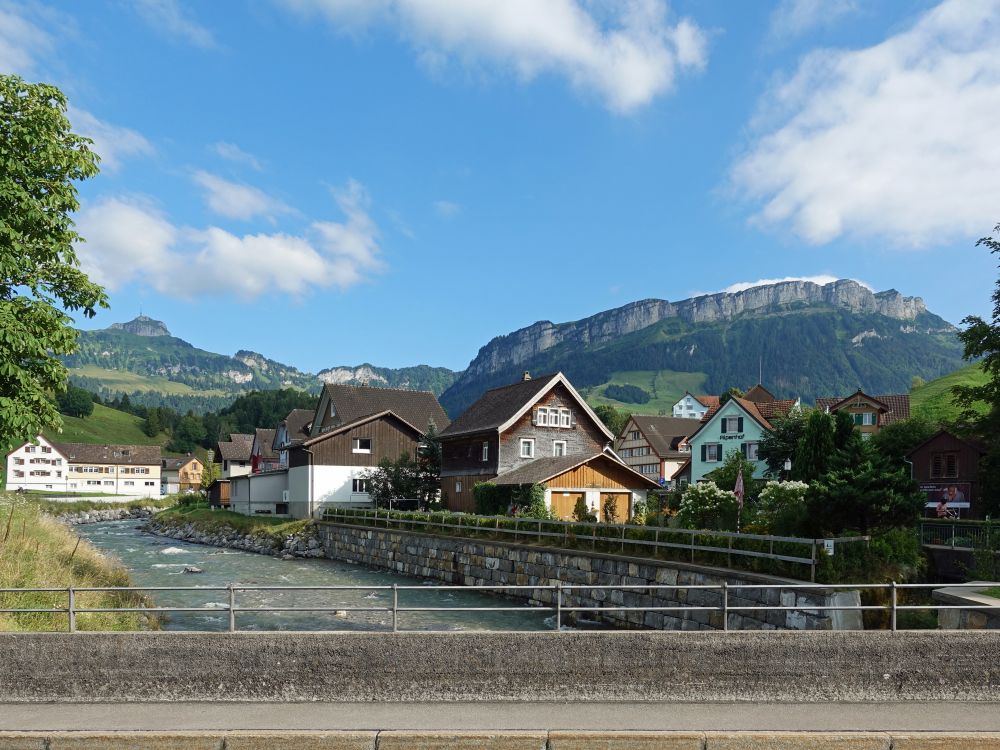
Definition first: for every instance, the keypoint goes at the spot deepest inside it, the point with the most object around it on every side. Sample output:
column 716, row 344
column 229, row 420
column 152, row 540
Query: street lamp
column 788, row 467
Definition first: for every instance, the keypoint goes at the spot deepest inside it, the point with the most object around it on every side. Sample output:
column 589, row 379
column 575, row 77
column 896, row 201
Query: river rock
column 192, row 569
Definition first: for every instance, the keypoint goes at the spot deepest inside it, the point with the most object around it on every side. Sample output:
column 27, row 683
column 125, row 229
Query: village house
column 694, row 407
column 738, row 424
column 82, row 467
column 656, row 446
column 870, row 413
column 180, row 474
column 947, row 468
column 538, row 431
column 352, row 429
column 235, row 455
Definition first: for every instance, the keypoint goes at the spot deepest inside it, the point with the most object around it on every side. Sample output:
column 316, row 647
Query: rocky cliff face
column 143, row 326
column 514, row 348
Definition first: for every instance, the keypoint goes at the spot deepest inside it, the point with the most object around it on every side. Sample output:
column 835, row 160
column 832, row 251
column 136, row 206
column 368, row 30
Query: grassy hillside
column 130, row 382
column 934, row 400
column 105, row 426
column 664, row 387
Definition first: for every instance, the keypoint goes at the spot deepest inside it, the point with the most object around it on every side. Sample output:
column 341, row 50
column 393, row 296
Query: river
column 159, row 561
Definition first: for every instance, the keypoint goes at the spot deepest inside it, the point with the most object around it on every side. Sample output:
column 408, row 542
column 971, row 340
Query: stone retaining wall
column 967, row 619
column 475, row 562
column 305, row 544
column 107, row 514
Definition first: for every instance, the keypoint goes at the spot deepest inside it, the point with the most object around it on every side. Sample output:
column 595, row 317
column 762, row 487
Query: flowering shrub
column 706, row 506
column 781, row 508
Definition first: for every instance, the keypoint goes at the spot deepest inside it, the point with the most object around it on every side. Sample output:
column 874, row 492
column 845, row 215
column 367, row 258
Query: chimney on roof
column 526, row 377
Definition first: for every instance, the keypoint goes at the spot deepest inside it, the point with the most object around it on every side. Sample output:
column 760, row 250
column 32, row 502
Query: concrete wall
column 647, row 666
column 256, row 493
column 473, row 562
column 967, row 619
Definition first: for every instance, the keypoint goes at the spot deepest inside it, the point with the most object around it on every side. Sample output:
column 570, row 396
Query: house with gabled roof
column 694, row 407
column 537, row 431
column 293, row 429
column 351, row 431
column 235, row 455
column 263, row 456
column 180, row 474
column 739, row 424
column 870, row 413
column 655, row 446
column 84, row 467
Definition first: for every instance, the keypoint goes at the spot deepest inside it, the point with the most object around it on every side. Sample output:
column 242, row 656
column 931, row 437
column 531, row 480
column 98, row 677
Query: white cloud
column 897, row 141
column 111, row 142
column 627, row 53
column 169, row 18
column 793, row 18
column 22, row 40
column 234, row 153
column 821, row 279
column 236, row 200
column 128, row 241
column 447, row 209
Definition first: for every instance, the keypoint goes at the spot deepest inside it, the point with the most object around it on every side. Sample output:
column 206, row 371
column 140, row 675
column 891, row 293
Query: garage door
column 620, row 504
column 563, row 503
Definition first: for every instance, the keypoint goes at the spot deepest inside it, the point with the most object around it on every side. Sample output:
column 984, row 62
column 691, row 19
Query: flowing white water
column 148, row 559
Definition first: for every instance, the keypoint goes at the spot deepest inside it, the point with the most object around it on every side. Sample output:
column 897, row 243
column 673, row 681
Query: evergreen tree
column 781, row 443
column 152, row 426
column 815, row 448
column 75, row 402
column 429, row 465
column 187, row 435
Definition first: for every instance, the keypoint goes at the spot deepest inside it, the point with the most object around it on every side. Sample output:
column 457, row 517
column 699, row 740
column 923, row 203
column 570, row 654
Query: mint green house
column 737, row 425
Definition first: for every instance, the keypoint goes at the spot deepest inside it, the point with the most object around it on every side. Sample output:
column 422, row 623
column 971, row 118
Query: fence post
column 558, row 606
column 893, row 614
column 812, row 564
column 232, row 609
column 729, row 554
column 539, row 539
column 725, row 605
column 953, row 536
column 623, row 540
column 395, row 608
column 71, row 609
column 691, row 542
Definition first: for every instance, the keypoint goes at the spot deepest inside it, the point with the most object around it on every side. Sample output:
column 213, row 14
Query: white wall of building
column 235, row 469
column 50, row 468
column 689, row 408
column 328, row 486
column 259, row 494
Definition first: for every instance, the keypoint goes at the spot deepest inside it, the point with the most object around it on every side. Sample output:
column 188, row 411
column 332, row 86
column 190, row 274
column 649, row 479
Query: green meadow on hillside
column 130, row 382
column 105, row 426
column 664, row 387
column 934, row 401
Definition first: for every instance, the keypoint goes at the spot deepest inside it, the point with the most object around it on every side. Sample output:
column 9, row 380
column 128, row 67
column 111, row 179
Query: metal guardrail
column 725, row 606
column 521, row 529
column 960, row 535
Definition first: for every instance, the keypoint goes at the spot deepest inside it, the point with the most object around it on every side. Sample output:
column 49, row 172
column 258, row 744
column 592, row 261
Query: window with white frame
column 361, row 445
column 359, row 486
column 458, row 485
column 129, row 483
column 542, row 416
column 527, row 448
column 731, row 424
column 92, row 482
column 558, row 447
column 866, row 419
column 29, row 449
column 486, row 450
column 713, row 451
column 109, row 482
column 750, row 451
column 149, row 484
column 565, row 418
column 46, row 449
column 633, row 435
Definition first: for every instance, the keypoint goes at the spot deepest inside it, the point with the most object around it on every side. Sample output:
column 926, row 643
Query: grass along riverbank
column 36, row 551
column 209, row 521
column 57, row 507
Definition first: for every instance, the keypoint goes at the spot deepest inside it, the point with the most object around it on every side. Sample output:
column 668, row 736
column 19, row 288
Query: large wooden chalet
column 537, row 431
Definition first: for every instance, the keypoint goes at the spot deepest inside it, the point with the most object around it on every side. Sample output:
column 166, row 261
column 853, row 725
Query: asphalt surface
column 813, row 717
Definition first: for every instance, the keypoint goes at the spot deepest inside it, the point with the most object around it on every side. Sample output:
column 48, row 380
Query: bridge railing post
column 395, row 608
column 71, row 609
column 893, row 603
column 558, row 606
column 725, row 605
column 232, row 608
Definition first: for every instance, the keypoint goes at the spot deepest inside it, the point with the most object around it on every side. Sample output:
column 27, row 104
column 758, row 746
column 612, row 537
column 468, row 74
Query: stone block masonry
column 472, row 562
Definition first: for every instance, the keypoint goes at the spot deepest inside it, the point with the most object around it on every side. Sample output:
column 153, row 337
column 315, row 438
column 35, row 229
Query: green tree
column 734, row 464
column 895, row 440
column 40, row 277
column 210, row 472
column 429, row 466
column 729, row 394
column 75, row 402
column 781, row 443
column 152, row 426
column 815, row 448
column 614, row 419
column 393, row 480
column 981, row 339
column 188, row 434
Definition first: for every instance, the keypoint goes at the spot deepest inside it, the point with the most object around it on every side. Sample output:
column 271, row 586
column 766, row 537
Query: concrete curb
column 440, row 740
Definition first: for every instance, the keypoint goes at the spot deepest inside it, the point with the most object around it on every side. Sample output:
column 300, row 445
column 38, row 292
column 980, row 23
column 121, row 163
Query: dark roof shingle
column 419, row 408
column 237, row 448
column 171, row 463
column 498, row 405
column 264, row 438
column 664, row 434
column 129, row 455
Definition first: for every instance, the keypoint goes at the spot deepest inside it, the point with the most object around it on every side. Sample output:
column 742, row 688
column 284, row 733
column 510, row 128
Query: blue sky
column 330, row 182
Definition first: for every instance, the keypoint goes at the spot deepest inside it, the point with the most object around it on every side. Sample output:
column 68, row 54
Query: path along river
column 159, row 561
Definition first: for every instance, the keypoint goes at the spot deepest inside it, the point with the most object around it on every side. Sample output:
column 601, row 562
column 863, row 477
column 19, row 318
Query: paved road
column 916, row 717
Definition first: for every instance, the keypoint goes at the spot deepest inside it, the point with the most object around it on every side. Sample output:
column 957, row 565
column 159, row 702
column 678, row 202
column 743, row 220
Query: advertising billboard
column 955, row 494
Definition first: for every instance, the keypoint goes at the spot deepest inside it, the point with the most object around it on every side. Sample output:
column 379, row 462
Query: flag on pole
column 738, row 491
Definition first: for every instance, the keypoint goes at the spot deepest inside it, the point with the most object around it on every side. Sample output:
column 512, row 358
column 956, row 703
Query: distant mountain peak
column 143, row 325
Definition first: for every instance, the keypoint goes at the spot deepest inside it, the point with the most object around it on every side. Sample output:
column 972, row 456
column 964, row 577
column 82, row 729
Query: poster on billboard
column 955, row 495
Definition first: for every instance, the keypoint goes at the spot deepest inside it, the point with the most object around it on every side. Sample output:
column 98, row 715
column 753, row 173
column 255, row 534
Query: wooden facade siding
column 464, row 501
column 583, row 438
column 607, row 477
column 464, row 455
column 389, row 440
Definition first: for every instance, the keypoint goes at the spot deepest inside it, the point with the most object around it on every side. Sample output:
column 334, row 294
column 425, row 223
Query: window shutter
column 704, row 453
column 739, row 424
column 743, row 446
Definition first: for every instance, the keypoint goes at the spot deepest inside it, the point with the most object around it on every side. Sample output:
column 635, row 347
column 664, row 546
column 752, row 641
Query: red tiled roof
column 896, row 405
